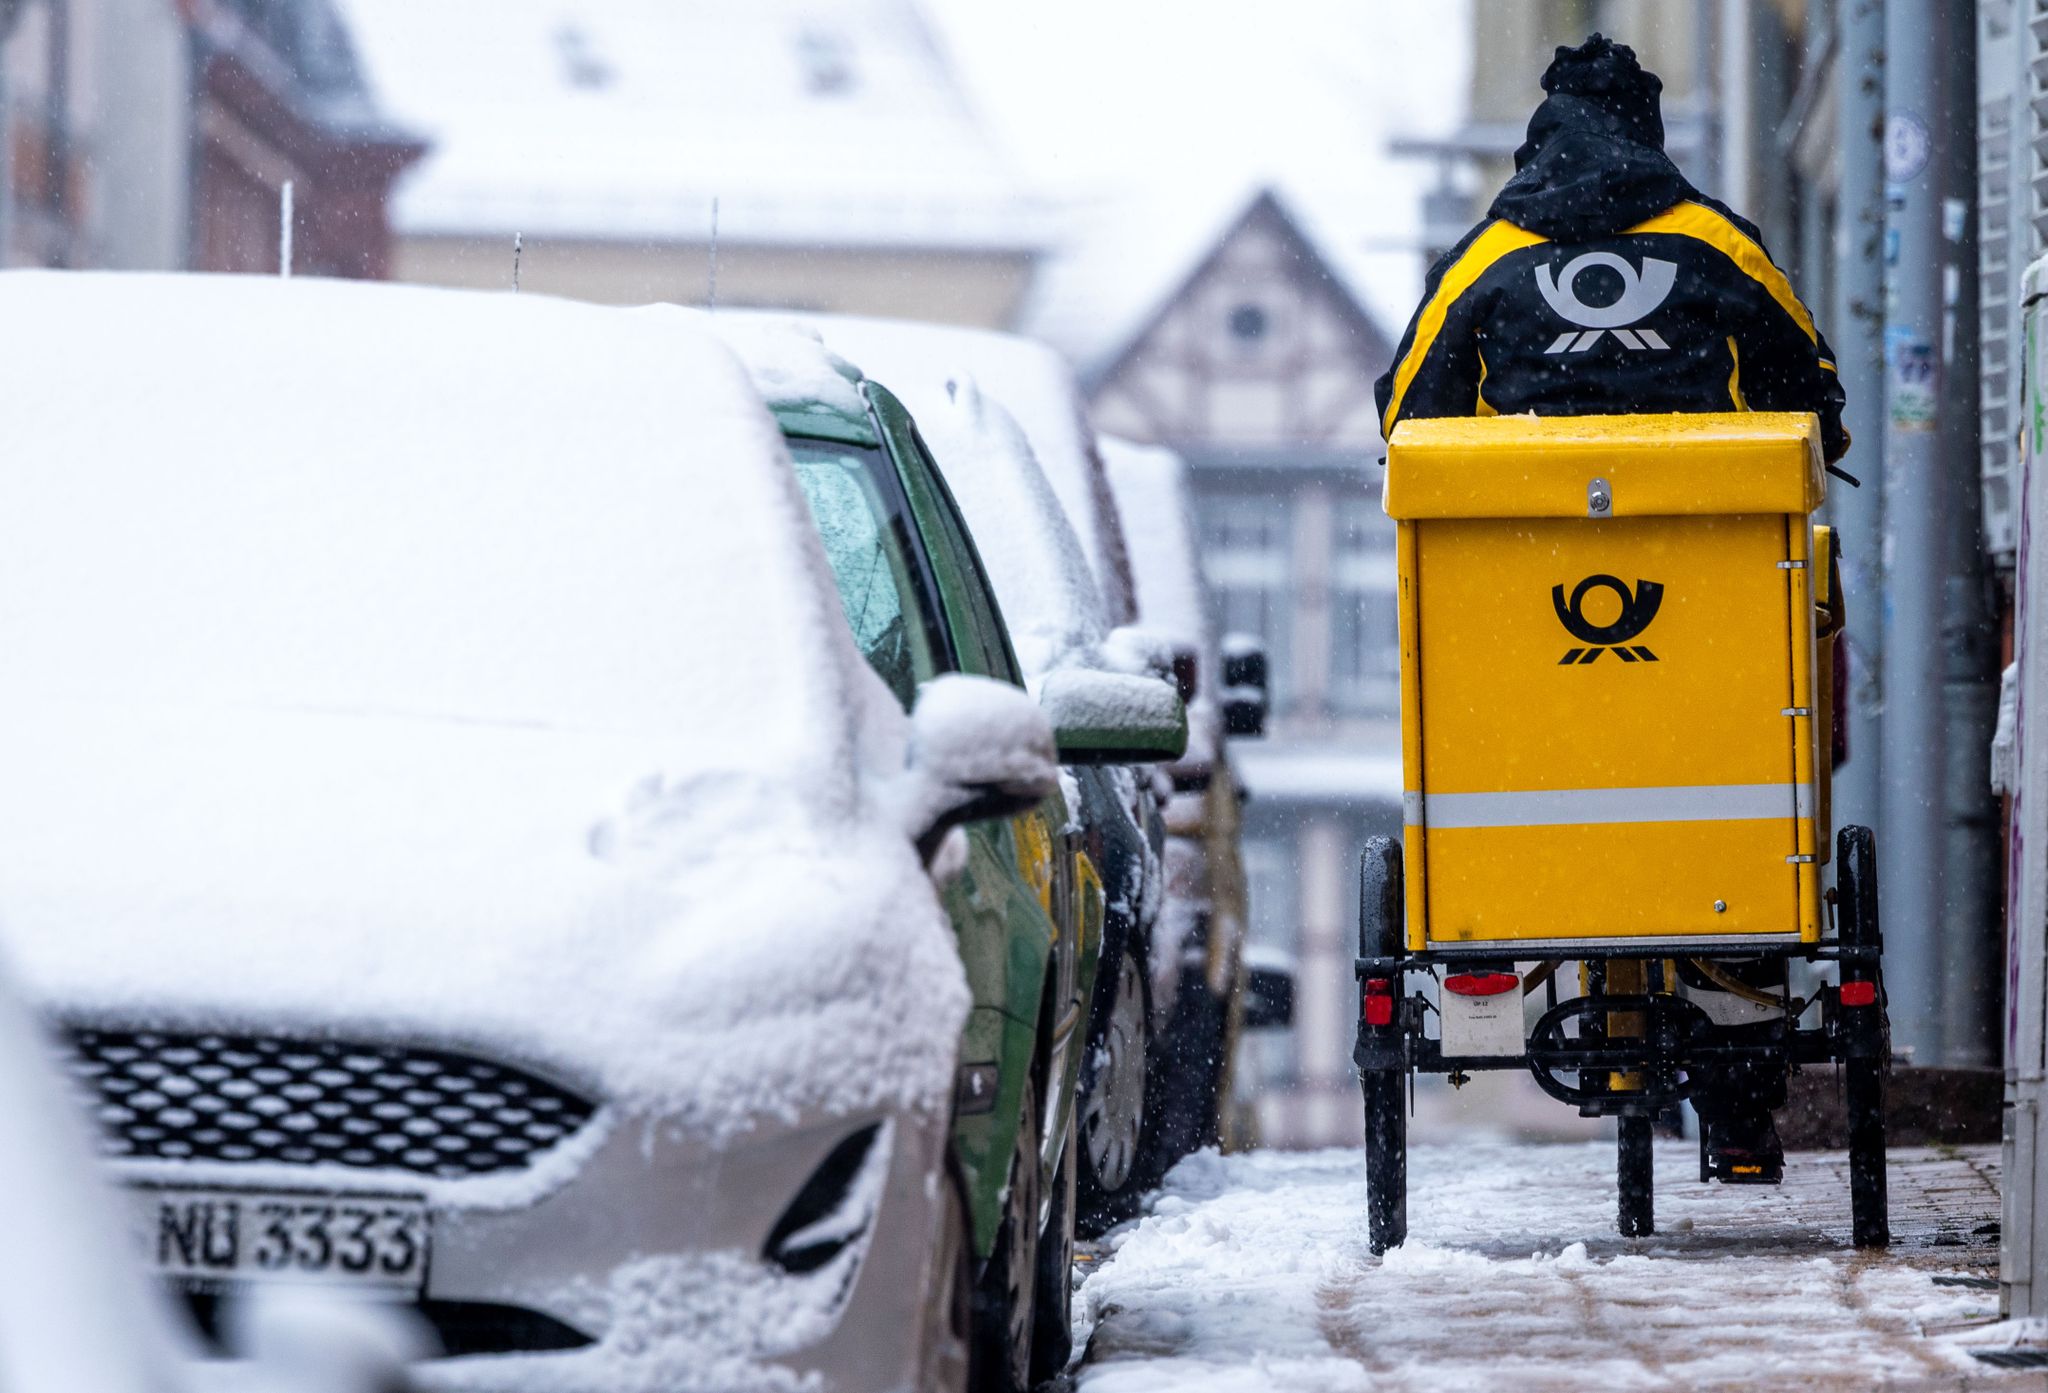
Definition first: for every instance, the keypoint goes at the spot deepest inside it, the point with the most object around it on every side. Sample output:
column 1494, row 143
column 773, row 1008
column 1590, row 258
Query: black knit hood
column 1594, row 160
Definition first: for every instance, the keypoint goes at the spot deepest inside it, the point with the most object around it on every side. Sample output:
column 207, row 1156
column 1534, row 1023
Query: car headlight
column 835, row 1209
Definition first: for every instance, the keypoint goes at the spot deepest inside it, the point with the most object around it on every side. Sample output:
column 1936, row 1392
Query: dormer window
column 827, row 62
column 583, row 67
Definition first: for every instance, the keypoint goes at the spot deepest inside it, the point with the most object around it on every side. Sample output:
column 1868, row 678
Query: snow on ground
column 1251, row 1272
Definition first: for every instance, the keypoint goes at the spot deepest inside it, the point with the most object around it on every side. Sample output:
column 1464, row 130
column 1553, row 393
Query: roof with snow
column 830, row 122
column 303, row 48
column 1123, row 261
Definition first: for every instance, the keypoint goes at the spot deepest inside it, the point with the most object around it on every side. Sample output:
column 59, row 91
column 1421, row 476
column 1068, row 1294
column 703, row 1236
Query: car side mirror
column 1113, row 717
column 979, row 749
column 1268, row 996
column 1244, row 686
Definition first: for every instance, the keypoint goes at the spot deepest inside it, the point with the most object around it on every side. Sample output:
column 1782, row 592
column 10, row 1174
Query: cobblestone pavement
column 1251, row 1273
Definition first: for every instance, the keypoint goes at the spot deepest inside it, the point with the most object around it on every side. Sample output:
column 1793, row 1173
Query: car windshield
column 862, row 517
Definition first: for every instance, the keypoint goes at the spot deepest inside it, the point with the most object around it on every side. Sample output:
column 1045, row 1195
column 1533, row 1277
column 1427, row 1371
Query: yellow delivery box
column 1614, row 735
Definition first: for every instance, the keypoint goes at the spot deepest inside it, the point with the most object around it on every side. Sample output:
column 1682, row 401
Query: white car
column 471, row 860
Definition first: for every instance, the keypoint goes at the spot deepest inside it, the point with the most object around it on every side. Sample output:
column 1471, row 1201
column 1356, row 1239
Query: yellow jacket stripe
column 1702, row 223
column 1488, row 247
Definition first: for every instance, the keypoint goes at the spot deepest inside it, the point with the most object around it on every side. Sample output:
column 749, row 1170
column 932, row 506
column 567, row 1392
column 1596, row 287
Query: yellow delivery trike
column 1617, row 689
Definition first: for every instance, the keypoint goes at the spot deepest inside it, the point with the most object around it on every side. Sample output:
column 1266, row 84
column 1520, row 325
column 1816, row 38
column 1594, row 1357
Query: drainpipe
column 1856, row 331
column 1911, row 829
column 1969, row 656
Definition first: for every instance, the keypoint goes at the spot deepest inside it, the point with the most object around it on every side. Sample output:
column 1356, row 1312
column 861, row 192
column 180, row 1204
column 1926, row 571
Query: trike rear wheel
column 1864, row 1070
column 1381, row 936
column 1386, row 1160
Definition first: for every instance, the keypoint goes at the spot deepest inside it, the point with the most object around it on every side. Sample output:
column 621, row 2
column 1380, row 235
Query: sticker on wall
column 1906, row 147
column 1911, row 379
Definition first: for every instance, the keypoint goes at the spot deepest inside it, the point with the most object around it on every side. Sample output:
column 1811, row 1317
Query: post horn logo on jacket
column 1602, row 282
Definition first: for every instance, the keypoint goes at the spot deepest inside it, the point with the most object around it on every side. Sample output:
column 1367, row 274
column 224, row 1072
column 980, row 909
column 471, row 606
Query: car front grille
column 192, row 1097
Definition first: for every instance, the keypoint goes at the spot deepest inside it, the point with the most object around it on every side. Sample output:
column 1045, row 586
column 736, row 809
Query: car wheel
column 1183, row 1113
column 1112, row 1132
column 1052, row 1341
column 1005, row 1302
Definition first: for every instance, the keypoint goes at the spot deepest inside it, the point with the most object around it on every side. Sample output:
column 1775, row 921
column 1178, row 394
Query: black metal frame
column 1677, row 1037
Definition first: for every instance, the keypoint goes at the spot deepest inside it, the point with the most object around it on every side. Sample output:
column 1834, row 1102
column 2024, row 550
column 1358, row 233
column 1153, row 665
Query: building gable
column 1261, row 348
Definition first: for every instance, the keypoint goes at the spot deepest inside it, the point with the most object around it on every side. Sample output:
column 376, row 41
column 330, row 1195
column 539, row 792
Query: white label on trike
column 1477, row 1026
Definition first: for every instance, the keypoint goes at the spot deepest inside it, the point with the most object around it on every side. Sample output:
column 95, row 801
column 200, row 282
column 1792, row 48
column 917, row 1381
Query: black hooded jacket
column 1602, row 282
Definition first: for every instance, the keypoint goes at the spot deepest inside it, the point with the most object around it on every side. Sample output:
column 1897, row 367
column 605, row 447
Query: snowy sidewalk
column 1251, row 1273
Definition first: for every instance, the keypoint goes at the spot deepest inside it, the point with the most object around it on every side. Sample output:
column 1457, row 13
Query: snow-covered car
column 1009, row 431
column 1028, row 905
column 468, row 855
column 1216, row 988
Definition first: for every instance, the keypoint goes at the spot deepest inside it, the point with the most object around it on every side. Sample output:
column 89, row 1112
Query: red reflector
column 1379, row 1001
column 1859, row 993
column 1481, row 983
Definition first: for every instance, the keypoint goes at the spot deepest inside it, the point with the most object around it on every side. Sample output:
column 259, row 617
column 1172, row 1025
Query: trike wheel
column 1635, row 1169
column 1381, row 935
column 1856, row 912
column 1868, row 1209
column 1386, row 1159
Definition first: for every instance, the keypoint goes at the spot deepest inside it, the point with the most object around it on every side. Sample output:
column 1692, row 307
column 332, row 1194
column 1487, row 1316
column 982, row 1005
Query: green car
column 1026, row 899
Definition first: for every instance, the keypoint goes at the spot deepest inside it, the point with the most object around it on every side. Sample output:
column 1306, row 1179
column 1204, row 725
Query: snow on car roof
column 1035, row 383
column 811, row 121
column 479, row 507
column 1153, row 498
column 796, row 374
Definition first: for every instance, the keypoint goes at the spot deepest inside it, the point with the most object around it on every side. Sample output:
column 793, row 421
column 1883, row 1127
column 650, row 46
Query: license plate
column 228, row 1235
column 1485, row 1025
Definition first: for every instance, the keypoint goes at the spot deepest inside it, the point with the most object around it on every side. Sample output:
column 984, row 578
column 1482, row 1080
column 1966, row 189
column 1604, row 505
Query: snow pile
column 1252, row 1273
column 407, row 665
column 917, row 361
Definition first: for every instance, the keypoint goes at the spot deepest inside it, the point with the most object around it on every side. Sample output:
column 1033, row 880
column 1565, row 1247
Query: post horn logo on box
column 1638, row 608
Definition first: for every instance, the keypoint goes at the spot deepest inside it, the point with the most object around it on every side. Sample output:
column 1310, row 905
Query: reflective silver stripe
column 1580, row 806
column 1411, row 808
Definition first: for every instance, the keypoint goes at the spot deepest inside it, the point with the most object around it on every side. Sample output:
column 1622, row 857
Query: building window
column 827, row 62
column 1365, row 656
column 1273, row 891
column 583, row 66
column 1245, row 559
column 1248, row 323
